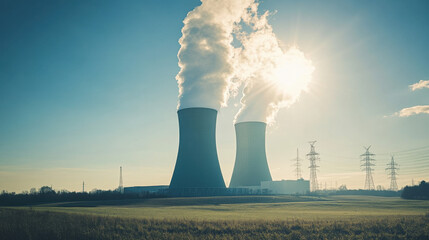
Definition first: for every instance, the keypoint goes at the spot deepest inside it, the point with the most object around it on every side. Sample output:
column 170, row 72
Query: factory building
column 300, row 186
column 145, row 189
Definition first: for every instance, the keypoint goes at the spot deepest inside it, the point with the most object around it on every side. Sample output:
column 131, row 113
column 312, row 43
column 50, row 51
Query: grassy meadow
column 244, row 217
column 248, row 208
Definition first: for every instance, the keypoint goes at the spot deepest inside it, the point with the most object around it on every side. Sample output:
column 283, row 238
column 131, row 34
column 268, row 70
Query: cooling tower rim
column 250, row 122
column 202, row 108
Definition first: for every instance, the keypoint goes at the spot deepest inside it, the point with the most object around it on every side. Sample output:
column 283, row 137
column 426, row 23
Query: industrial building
column 145, row 189
column 299, row 186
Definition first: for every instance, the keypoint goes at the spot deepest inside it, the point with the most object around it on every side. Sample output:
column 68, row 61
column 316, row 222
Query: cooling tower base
column 207, row 192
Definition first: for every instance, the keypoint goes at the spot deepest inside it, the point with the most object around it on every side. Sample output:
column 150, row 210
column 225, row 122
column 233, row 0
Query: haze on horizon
column 88, row 87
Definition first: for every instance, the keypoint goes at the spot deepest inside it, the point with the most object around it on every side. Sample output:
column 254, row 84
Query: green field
column 246, row 217
column 249, row 208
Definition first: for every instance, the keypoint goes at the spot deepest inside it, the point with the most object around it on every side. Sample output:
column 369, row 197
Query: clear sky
column 88, row 86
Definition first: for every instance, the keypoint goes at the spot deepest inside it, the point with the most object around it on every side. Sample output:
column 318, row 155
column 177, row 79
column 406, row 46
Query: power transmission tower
column 83, row 186
column 392, row 167
column 367, row 167
column 121, row 184
column 297, row 165
column 313, row 156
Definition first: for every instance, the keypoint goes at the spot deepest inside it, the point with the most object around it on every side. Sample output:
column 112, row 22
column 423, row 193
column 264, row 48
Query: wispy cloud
column 406, row 112
column 421, row 84
column 420, row 109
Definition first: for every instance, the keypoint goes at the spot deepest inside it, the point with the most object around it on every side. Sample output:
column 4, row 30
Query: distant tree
column 46, row 190
column 95, row 191
column 416, row 192
column 33, row 191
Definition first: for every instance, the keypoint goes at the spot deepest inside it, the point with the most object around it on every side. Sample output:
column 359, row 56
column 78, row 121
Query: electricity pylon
column 297, row 165
column 391, row 168
column 367, row 167
column 313, row 156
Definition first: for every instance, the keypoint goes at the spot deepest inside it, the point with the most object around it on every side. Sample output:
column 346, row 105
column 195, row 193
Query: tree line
column 419, row 192
column 47, row 195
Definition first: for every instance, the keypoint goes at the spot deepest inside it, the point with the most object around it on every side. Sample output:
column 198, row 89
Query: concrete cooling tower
column 197, row 164
column 251, row 167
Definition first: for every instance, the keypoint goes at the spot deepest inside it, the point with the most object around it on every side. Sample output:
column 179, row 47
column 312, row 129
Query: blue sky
column 88, row 86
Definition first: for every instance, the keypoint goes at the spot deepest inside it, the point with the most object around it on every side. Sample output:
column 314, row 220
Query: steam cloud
column 206, row 53
column 211, row 68
column 272, row 78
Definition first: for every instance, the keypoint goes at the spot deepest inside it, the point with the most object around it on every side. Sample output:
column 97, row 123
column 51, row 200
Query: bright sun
column 293, row 72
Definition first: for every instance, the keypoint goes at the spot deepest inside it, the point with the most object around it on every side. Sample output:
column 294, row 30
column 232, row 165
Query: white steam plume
column 205, row 55
column 272, row 78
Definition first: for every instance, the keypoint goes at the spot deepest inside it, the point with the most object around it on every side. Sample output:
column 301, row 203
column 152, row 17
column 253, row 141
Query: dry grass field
column 262, row 217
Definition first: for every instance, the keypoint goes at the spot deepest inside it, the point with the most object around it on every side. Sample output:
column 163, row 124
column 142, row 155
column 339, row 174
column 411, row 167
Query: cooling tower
column 251, row 167
column 197, row 164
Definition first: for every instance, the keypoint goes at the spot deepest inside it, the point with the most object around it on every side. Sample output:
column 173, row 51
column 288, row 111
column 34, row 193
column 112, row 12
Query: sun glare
column 293, row 72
